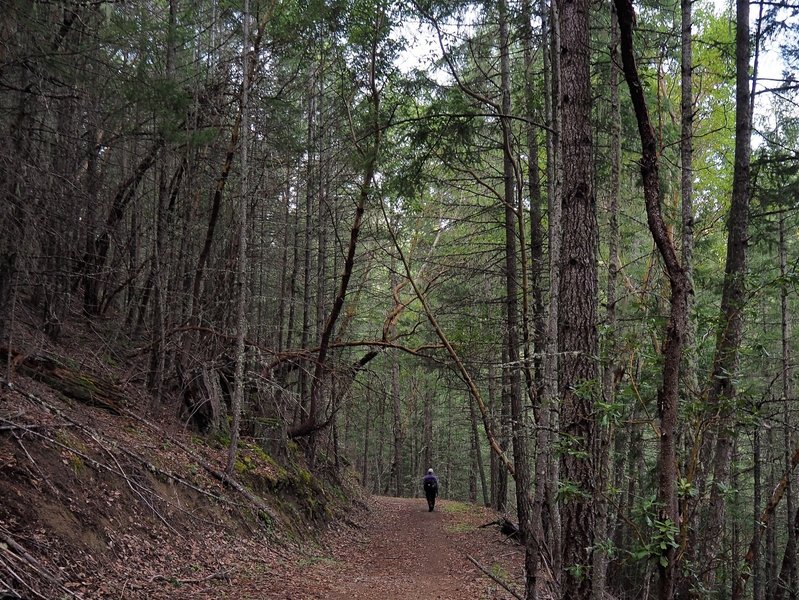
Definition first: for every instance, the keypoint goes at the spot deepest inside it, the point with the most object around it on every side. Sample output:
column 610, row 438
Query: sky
column 423, row 51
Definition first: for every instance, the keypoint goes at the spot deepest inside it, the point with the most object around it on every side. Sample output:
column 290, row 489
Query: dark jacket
column 430, row 485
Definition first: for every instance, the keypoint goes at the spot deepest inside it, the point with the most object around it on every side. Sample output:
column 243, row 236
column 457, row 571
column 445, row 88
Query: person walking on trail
column 430, row 485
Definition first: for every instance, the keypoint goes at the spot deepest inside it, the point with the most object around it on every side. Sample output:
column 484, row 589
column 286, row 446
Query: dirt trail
column 405, row 552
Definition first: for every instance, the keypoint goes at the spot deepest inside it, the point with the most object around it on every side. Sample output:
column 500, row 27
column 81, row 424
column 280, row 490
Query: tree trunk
column 399, row 434
column 779, row 584
column 241, row 260
column 668, row 394
column 787, row 399
column 367, row 428
column 494, row 469
column 549, row 438
column 756, row 501
column 308, row 413
column 518, row 414
column 504, row 440
column 319, row 181
column 772, row 583
column 610, row 367
column 690, row 358
column 428, row 431
column 478, row 454
column 578, row 290
column 537, row 265
column 730, row 328
column 285, row 270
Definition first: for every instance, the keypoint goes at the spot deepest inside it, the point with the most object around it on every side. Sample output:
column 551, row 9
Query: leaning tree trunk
column 668, row 394
column 311, row 425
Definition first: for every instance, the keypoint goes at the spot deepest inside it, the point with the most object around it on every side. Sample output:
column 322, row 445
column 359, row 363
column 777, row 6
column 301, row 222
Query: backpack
column 430, row 485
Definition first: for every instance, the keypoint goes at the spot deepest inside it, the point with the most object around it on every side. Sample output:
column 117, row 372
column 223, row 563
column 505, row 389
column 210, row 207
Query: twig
column 494, row 577
column 14, row 574
column 354, row 524
column 148, row 465
column 18, row 426
column 33, row 462
column 218, row 575
column 216, row 473
column 21, row 553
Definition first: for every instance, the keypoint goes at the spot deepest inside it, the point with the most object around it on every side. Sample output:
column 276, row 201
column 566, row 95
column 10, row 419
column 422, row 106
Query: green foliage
column 662, row 533
column 686, row 489
column 609, row 413
column 577, row 572
column 569, row 445
column 569, row 491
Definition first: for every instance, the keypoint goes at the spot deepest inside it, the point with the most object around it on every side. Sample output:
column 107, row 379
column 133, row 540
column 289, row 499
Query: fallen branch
column 216, row 473
column 254, row 500
column 118, row 471
column 20, row 427
column 494, row 577
column 20, row 553
column 506, row 526
column 218, row 575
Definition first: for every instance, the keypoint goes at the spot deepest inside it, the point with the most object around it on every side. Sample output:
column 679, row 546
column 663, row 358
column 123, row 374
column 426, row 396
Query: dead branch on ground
column 494, row 577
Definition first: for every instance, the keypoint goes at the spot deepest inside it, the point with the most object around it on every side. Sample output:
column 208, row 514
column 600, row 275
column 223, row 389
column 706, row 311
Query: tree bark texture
column 610, row 366
column 578, row 290
column 548, row 432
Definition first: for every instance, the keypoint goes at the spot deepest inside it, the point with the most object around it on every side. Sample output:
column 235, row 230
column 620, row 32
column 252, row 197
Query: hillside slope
column 98, row 501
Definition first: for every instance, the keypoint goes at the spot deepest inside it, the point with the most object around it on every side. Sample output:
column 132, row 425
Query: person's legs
column 431, row 501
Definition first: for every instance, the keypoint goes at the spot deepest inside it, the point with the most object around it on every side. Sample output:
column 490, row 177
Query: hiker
column 430, row 484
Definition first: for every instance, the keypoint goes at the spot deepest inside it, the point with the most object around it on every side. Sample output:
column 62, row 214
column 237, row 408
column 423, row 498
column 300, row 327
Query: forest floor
column 404, row 552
